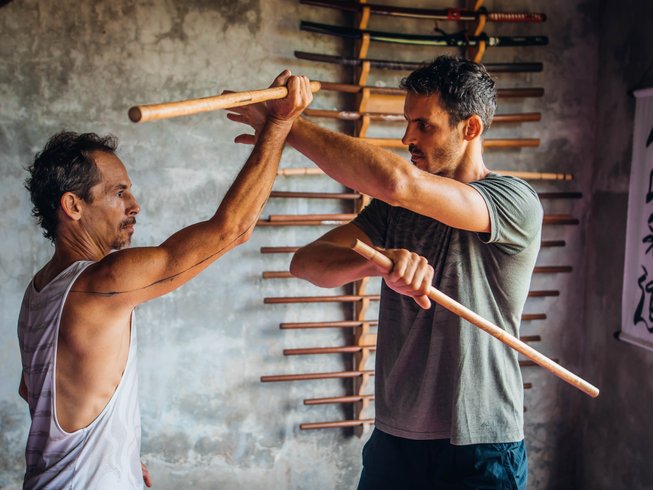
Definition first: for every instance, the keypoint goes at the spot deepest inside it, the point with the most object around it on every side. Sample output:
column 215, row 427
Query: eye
column 120, row 193
column 424, row 126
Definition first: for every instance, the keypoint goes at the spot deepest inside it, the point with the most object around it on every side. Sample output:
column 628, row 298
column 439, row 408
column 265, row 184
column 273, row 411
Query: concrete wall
column 207, row 420
column 616, row 448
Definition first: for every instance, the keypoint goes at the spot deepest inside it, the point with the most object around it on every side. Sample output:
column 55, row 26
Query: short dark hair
column 64, row 165
column 465, row 88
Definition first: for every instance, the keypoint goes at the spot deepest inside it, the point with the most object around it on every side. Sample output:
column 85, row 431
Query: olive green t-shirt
column 437, row 376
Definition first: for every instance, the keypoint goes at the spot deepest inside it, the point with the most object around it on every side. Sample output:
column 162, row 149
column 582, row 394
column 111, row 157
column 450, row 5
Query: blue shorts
column 395, row 463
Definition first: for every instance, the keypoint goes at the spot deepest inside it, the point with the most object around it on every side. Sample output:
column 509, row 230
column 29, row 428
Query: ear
column 71, row 205
column 473, row 127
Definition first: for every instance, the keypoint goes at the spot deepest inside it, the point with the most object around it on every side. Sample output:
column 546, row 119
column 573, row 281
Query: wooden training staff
column 522, row 175
column 165, row 110
column 392, row 117
column 384, row 262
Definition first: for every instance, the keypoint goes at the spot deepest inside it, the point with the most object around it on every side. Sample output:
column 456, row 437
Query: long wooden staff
column 165, row 110
column 384, row 262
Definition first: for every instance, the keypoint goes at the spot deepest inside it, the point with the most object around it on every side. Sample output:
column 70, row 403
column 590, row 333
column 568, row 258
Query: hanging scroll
column 637, row 302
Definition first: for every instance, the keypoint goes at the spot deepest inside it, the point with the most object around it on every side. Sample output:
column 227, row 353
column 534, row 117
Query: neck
column 471, row 167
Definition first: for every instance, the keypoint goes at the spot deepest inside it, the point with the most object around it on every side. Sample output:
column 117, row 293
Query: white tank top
column 106, row 453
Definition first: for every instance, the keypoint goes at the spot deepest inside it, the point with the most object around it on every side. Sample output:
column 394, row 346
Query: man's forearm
column 329, row 265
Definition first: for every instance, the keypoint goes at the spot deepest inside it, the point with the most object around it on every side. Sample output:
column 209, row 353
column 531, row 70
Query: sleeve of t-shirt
column 372, row 220
column 515, row 212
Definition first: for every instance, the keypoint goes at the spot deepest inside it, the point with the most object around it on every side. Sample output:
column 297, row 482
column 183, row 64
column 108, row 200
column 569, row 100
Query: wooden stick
column 310, row 376
column 384, row 262
column 352, row 298
column 399, row 118
column 344, row 298
column 316, row 195
column 335, row 324
column 487, row 143
column 290, row 250
column 353, row 349
column 522, row 175
column 338, row 399
column 343, row 218
column 165, row 110
column 550, row 269
column 357, row 195
column 335, row 425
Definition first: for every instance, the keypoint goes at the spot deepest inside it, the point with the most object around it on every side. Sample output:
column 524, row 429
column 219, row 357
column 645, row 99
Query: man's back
column 109, row 445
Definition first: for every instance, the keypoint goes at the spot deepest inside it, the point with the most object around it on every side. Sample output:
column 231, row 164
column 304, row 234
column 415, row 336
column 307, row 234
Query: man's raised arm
column 133, row 276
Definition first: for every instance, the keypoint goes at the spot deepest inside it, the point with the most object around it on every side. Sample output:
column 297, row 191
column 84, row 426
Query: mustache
column 413, row 149
column 128, row 222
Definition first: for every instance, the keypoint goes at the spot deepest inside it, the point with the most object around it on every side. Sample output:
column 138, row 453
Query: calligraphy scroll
column 637, row 302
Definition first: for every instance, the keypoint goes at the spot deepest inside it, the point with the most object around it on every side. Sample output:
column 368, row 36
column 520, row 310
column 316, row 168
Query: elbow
column 397, row 186
column 297, row 266
column 303, row 267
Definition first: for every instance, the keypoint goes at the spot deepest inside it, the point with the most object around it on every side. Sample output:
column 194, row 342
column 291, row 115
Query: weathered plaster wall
column 616, row 427
column 207, row 420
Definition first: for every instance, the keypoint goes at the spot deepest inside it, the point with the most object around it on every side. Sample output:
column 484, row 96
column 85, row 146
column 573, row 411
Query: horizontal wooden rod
column 312, row 217
column 358, row 195
column 550, row 269
column 334, row 324
column 290, row 250
column 394, row 117
column 279, row 250
column 552, row 243
column 355, row 89
column 165, row 110
column 372, row 323
column 487, row 143
column 559, row 219
column 462, row 311
column 343, row 218
column 338, row 399
column 343, row 349
column 560, row 195
column 352, row 298
column 311, row 376
column 353, row 349
column 288, row 171
column 528, row 317
column 335, row 425
column 316, row 195
column 344, row 298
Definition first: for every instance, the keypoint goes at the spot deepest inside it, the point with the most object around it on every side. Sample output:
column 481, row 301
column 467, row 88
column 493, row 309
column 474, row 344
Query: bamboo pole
column 475, row 319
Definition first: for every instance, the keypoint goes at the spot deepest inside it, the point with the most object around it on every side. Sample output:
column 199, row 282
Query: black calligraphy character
column 648, row 288
column 649, row 194
column 649, row 238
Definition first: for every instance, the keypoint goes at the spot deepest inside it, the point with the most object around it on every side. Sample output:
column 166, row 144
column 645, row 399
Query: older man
column 76, row 328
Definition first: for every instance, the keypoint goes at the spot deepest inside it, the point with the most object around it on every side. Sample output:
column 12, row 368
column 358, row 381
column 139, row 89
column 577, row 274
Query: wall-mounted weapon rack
column 385, row 104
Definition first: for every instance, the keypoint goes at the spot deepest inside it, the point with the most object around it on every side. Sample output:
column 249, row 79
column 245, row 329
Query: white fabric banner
column 637, row 302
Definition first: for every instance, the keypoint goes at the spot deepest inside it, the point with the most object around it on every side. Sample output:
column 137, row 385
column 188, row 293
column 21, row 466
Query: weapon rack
column 363, row 337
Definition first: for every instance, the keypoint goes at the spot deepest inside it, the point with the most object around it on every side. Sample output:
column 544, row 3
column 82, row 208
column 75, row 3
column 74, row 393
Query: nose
column 134, row 208
column 408, row 137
